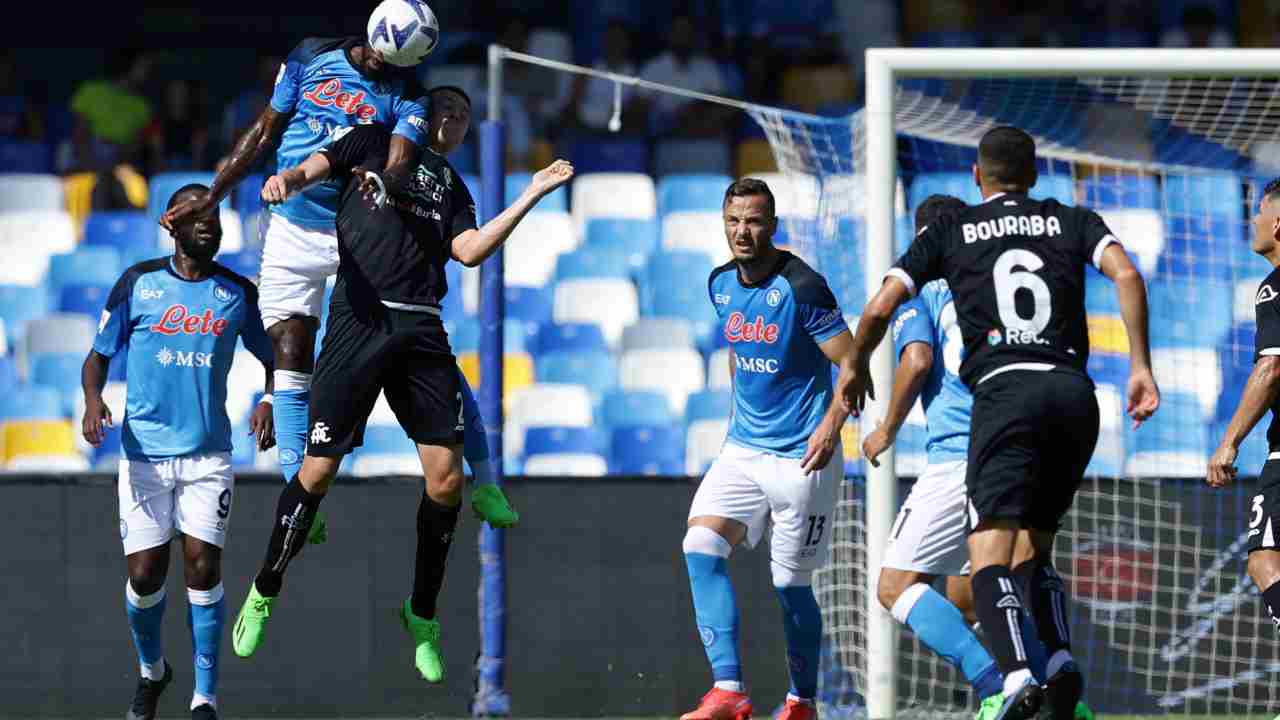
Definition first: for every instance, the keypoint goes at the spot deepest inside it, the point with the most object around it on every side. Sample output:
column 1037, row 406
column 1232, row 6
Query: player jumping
column 781, row 461
column 1015, row 267
column 385, row 335
column 1261, row 392
column 179, row 317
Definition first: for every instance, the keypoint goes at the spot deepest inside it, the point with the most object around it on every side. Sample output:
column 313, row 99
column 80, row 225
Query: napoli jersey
column 181, row 337
column 782, row 381
column 930, row 318
column 325, row 92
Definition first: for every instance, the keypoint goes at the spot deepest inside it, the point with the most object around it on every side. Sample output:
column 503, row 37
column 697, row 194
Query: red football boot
column 721, row 705
column 798, row 710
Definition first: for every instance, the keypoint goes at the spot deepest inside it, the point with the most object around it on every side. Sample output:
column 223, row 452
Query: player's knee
column 784, row 576
column 705, row 541
column 888, row 589
column 446, row 487
column 146, row 578
column 201, row 571
column 295, row 342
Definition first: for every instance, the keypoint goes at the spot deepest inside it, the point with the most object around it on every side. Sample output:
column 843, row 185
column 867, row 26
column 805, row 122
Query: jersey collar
column 783, row 257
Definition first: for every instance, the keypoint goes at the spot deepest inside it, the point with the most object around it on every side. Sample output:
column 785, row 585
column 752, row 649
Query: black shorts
column 404, row 354
column 1264, row 510
column 1032, row 437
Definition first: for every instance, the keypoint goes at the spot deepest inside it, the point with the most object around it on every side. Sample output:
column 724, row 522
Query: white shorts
column 751, row 485
column 190, row 494
column 296, row 262
column 929, row 535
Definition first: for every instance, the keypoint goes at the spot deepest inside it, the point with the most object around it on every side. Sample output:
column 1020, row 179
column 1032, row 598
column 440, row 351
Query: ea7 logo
column 1265, row 293
column 150, row 294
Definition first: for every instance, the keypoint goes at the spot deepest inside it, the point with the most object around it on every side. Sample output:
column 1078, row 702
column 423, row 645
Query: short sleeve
column 1096, row 236
column 410, row 120
column 464, row 215
column 1267, row 315
column 911, row 325
column 252, row 333
column 115, row 324
column 820, row 315
column 363, row 145
column 284, row 97
column 923, row 261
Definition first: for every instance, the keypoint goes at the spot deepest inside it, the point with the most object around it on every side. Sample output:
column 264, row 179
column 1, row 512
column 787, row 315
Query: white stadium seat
column 534, row 245
column 846, row 196
column 28, row 238
column 793, row 195
column 676, row 372
column 60, row 333
column 612, row 195
column 1193, row 370
column 650, row 333
column 375, row 464
column 544, row 405
column 566, row 465
column 718, row 374
column 1108, row 455
column 610, row 303
column 30, row 191
column 701, row 231
column 702, row 444
column 1140, row 231
column 245, row 379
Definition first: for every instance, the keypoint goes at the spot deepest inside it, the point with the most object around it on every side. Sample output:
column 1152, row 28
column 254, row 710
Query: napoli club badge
column 774, row 297
column 221, row 293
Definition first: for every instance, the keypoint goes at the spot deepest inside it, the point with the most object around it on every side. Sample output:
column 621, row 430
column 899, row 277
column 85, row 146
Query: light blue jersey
column 181, row 338
column 930, row 318
column 325, row 92
column 782, row 381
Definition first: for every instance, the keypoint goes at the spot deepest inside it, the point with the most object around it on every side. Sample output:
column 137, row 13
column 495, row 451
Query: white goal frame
column 884, row 67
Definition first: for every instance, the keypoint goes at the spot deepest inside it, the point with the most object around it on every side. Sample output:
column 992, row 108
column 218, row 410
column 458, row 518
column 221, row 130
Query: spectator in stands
column 245, row 108
column 685, row 65
column 592, row 98
column 111, row 115
column 181, row 141
column 21, row 113
column 805, row 30
column 1200, row 29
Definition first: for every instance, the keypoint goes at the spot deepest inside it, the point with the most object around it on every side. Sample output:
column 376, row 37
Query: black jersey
column 1266, row 311
column 1016, row 271
column 396, row 254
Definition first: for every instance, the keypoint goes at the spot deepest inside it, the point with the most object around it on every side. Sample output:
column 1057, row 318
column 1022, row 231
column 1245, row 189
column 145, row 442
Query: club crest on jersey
column 1265, row 294
column 774, row 297
column 993, row 337
column 329, row 94
column 737, row 329
column 177, row 319
column 222, row 294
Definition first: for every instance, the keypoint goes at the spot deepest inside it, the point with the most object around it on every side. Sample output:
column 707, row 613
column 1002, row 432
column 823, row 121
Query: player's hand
column 97, row 417
column 372, row 189
column 1144, row 397
column 854, row 386
column 1222, row 466
column 551, row 177
column 822, row 445
column 200, row 204
column 876, row 443
column 275, row 190
column 262, row 425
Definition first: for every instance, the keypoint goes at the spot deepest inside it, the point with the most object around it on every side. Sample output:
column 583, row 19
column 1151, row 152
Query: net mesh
column 1165, row 618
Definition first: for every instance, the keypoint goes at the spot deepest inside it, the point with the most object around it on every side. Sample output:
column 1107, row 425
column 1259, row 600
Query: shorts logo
column 993, row 337
column 221, row 293
column 288, row 456
column 774, row 297
column 204, row 661
column 124, row 529
column 320, row 433
column 707, row 634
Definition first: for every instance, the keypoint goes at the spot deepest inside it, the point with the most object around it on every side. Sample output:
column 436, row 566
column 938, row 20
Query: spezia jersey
column 321, row 86
column 1015, row 267
column 1266, row 310
column 181, row 337
column 782, row 380
column 930, row 318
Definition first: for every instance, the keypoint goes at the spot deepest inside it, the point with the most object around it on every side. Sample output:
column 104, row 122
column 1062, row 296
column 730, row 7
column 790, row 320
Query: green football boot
column 990, row 707
column 319, row 532
column 491, row 505
column 1083, row 712
column 251, row 623
column 426, row 641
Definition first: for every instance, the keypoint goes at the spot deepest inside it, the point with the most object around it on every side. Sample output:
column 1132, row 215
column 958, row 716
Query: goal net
column 1165, row 619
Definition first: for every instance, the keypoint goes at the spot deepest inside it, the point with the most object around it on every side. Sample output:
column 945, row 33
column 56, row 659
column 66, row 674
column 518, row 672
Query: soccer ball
column 404, row 31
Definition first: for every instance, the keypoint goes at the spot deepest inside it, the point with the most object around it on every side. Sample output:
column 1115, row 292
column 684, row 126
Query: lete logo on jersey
column 329, row 94
column 737, row 329
column 178, row 319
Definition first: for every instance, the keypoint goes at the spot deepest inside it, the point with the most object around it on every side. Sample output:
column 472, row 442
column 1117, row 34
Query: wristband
column 268, row 399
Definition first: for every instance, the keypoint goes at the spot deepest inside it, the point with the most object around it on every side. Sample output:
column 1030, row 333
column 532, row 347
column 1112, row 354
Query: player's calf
column 206, row 614
column 706, row 553
column 802, row 625
column 1264, row 568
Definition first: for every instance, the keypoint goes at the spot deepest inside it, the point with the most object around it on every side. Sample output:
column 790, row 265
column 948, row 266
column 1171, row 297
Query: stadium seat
column 386, row 450
column 531, row 251
column 595, row 370
column 30, row 191
column 709, row 405
column 244, row 381
column 697, row 231
column 120, row 229
column 647, row 450
column 657, row 333
column 557, row 201
column 610, row 303
column 28, row 238
column 528, row 304
column 1201, row 247
column 692, row 192
column 911, row 445
column 576, row 337
column 164, row 185
column 793, row 195
column 609, row 155
column 246, row 262
column 548, row 439
column 1106, row 191
column 627, row 408
column 675, row 285
column 719, row 377
column 1142, row 233
column 1203, row 194
column 60, row 332
column 1192, row 370
column 1059, row 187
column 1172, row 326
column 846, row 195
column 60, row 371
column 1174, row 443
column 954, row 183
column 1108, row 455
column 566, row 465
column 594, row 263
column 610, row 194
column 674, row 156
column 105, row 457
column 83, row 266
column 19, row 305
column 41, row 446
column 543, row 405
column 248, row 195
column 22, row 156
column 31, row 402
column 703, row 441
column 517, row 370
column 676, row 372
column 8, row 372
column 634, row 238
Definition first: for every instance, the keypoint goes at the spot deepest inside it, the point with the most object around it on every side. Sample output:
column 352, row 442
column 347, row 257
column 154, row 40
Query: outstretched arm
column 1143, row 394
column 473, row 247
column 854, row 384
column 279, row 187
column 914, row 365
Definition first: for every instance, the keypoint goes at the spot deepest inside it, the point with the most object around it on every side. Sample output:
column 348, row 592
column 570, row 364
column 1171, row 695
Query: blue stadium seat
column 674, row 284
column 517, row 182
column 8, row 372
column 1107, row 190
column 544, row 440
column 243, row 450
column 569, row 337
column 633, row 237
column 60, row 371
column 518, row 335
column 904, row 231
column 1107, row 369
column 708, row 405
column 245, row 262
column 1235, row 353
column 123, row 229
column 647, row 450
column 691, row 192
column 1059, row 187
column 528, row 304
column 19, row 305
column 595, row 370
column 25, row 157
column 32, row 402
column 1173, row 443
column 84, row 266
column 625, row 408
column 675, row 156
column 164, row 185
column 465, row 337
column 593, row 155
column 386, row 440
column 946, row 183
column 248, row 195
column 87, row 299
column 1172, row 325
column 1202, row 246
column 593, row 263
column 1204, row 194
column 1100, row 294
